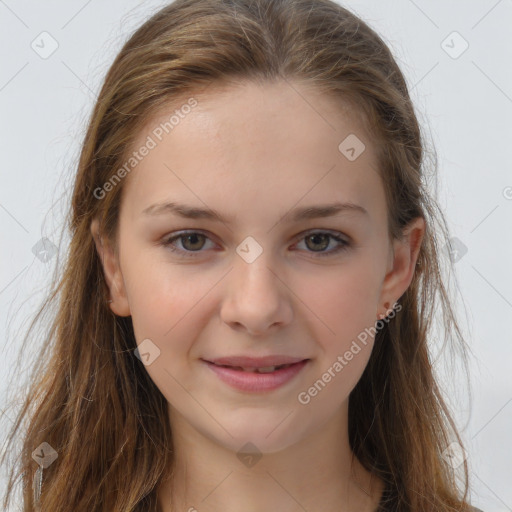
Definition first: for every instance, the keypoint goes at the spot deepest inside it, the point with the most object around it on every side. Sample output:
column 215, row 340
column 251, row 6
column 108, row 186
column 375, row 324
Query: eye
column 193, row 241
column 319, row 240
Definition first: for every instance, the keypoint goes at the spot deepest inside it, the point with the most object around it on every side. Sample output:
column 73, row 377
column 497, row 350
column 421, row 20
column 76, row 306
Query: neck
column 317, row 473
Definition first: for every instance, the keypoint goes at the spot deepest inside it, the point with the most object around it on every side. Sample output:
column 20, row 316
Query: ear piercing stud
column 384, row 315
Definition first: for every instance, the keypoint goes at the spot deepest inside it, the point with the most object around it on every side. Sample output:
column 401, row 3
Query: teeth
column 266, row 369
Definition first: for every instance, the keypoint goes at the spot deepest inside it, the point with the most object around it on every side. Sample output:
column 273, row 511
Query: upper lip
column 256, row 362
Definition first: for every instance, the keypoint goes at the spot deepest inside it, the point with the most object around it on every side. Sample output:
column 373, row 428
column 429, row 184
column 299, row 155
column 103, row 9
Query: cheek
column 157, row 290
column 345, row 300
column 162, row 299
column 164, row 306
column 346, row 306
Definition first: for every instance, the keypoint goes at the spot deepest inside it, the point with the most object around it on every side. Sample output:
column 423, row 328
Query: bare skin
column 257, row 152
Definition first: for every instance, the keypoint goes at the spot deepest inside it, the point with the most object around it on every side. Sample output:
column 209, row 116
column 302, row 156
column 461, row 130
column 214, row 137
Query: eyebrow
column 297, row 214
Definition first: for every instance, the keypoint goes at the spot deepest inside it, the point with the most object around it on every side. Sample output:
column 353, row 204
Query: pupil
column 325, row 237
column 192, row 236
column 316, row 238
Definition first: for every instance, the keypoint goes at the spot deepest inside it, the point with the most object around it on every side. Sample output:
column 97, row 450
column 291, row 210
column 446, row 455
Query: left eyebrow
column 295, row 215
column 327, row 210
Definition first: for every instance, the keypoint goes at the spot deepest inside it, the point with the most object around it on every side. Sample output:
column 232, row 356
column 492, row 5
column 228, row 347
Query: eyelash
column 167, row 242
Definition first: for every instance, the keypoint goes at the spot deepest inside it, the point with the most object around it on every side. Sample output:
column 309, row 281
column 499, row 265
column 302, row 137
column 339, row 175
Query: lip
column 257, row 382
column 256, row 362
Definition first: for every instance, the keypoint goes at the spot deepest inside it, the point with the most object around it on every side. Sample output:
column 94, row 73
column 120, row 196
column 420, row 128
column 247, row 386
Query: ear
column 112, row 272
column 401, row 264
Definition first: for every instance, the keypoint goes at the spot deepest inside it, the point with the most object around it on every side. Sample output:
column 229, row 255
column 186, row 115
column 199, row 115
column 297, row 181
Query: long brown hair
column 93, row 401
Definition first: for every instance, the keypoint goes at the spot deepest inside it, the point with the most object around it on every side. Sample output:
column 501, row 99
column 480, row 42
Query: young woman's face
column 271, row 279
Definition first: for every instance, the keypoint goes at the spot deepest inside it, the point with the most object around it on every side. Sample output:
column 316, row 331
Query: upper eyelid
column 333, row 233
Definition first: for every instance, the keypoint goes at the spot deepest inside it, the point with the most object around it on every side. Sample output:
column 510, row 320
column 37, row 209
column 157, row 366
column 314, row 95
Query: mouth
column 257, row 378
column 265, row 369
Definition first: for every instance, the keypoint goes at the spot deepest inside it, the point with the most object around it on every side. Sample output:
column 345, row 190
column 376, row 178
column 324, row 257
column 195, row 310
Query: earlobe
column 403, row 264
column 118, row 301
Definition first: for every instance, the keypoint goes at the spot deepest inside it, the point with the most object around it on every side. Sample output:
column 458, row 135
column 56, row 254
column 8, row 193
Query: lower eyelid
column 169, row 241
column 332, row 237
column 342, row 243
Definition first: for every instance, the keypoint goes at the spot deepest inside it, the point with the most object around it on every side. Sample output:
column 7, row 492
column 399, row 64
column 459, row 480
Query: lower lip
column 252, row 381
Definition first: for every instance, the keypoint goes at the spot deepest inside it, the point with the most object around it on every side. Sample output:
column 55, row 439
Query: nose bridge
column 254, row 277
column 256, row 297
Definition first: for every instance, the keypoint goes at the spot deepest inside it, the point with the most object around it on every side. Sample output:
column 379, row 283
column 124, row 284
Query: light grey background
column 464, row 101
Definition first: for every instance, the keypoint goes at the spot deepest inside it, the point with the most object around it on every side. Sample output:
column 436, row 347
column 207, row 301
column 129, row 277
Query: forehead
column 248, row 145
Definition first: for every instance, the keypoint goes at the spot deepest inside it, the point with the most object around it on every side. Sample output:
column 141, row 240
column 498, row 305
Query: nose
column 257, row 298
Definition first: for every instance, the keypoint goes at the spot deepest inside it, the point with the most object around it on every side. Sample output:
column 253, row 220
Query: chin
column 261, row 433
